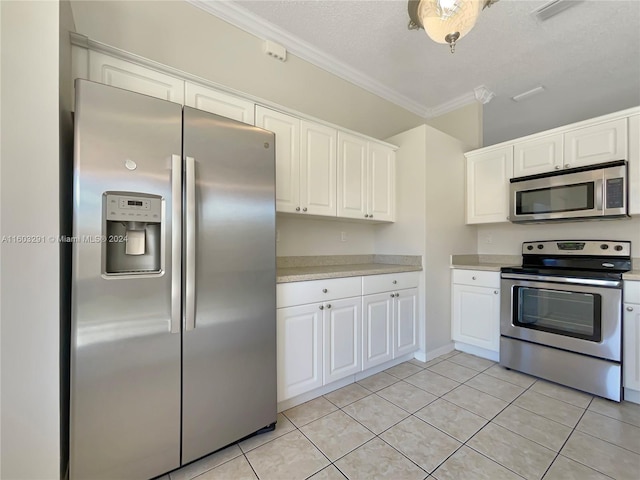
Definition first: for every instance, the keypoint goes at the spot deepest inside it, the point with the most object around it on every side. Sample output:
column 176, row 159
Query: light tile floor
column 456, row 417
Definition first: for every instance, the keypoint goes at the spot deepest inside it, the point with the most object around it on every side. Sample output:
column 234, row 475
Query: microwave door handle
column 599, row 194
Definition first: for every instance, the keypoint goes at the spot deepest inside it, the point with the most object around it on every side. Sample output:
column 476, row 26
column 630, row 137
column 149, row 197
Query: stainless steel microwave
column 591, row 192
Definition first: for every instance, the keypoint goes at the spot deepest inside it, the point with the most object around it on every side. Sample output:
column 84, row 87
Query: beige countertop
column 490, row 263
column 299, row 269
column 631, row 275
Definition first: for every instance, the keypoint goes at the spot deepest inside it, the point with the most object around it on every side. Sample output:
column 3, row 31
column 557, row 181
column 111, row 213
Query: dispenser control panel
column 128, row 208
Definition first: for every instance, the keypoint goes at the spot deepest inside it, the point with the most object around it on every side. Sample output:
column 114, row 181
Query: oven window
column 565, row 198
column 573, row 314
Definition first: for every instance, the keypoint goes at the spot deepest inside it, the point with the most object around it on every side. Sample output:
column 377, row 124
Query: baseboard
column 632, row 396
column 478, row 351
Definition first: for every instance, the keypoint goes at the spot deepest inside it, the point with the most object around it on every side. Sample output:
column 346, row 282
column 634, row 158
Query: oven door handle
column 567, row 280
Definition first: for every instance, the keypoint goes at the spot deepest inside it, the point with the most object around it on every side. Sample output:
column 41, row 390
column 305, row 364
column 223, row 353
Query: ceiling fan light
column 443, row 19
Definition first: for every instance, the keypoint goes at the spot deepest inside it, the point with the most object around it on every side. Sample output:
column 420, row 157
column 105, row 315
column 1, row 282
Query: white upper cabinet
column 537, row 156
column 305, row 163
column 220, row 103
column 317, row 169
column 596, row 144
column 488, row 175
column 129, row 76
column 352, row 176
column 634, row 164
column 287, row 130
column 366, row 179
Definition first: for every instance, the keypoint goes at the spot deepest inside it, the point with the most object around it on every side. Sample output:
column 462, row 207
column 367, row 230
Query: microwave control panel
column 615, row 192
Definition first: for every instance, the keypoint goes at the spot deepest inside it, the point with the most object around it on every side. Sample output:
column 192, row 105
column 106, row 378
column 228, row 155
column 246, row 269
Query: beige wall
column 464, row 124
column 185, row 37
column 430, row 222
column 507, row 238
column 29, row 204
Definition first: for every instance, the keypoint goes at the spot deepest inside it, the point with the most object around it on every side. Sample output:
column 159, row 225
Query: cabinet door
column 405, row 335
column 631, row 347
column 537, row 156
column 342, row 338
column 488, row 177
column 220, row 103
column 382, row 182
column 599, row 143
column 634, row 164
column 318, row 169
column 476, row 316
column 377, row 329
column 287, row 130
column 122, row 74
column 299, row 350
column 352, row 176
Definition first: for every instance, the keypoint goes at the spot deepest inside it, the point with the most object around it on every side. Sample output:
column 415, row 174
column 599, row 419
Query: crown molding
column 483, row 94
column 242, row 18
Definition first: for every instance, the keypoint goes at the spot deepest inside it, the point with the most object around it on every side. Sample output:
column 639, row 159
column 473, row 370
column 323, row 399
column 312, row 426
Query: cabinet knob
column 328, row 305
column 557, row 167
column 324, row 290
column 629, row 309
column 321, row 307
column 304, row 209
column 394, row 282
column 393, row 295
column 370, row 216
column 366, row 215
column 473, row 278
column 566, row 165
column 495, row 292
column 397, row 295
column 297, row 209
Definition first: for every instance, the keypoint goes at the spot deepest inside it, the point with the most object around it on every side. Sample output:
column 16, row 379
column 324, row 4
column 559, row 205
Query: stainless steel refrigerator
column 173, row 331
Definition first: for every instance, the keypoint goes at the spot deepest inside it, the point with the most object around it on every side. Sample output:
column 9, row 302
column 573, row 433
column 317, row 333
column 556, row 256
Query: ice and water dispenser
column 133, row 231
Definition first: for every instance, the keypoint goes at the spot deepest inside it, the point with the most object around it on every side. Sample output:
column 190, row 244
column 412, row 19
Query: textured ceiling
column 587, row 57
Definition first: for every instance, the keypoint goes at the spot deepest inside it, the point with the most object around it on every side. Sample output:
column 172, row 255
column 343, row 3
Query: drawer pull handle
column 394, row 282
column 473, row 278
column 495, row 292
column 324, row 290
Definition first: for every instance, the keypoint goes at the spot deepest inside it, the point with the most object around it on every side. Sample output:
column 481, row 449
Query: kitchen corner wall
column 309, row 236
column 507, row 238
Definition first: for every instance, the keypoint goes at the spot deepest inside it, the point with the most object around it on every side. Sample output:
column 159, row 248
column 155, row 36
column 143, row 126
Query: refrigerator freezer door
column 125, row 363
column 229, row 348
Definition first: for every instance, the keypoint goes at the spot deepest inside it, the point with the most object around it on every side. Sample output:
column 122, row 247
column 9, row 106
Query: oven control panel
column 606, row 248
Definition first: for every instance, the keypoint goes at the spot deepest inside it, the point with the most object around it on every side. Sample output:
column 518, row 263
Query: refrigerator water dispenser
column 133, row 225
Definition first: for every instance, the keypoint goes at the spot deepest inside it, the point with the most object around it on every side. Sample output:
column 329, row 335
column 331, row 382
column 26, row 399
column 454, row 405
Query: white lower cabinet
column 342, row 325
column 476, row 309
column 631, row 339
column 299, row 350
column 327, row 330
column 377, row 329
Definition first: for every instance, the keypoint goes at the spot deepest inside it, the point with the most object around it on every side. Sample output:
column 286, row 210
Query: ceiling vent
column 552, row 8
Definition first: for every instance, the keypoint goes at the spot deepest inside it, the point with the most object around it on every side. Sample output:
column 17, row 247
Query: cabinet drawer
column 389, row 281
column 299, row 293
column 476, row 277
column 631, row 292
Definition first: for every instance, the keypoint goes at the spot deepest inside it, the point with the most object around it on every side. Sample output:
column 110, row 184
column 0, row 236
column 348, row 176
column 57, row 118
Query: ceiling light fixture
column 446, row 21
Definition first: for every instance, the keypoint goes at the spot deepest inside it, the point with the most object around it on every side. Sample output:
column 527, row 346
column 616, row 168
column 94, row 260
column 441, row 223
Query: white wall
column 507, row 238
column 430, row 222
column 464, row 124
column 308, row 236
column 29, row 206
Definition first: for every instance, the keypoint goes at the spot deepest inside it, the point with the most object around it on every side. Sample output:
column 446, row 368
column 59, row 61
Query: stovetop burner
column 603, row 259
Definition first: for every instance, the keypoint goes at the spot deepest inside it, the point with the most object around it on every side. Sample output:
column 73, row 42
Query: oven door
column 578, row 315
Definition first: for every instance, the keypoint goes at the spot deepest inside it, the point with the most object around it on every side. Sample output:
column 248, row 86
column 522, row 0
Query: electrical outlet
column 343, row 236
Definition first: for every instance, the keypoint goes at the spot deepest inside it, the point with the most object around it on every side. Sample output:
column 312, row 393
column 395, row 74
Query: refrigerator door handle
column 190, row 244
column 176, row 241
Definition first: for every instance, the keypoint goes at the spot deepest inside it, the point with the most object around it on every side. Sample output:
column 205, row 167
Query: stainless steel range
column 561, row 313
